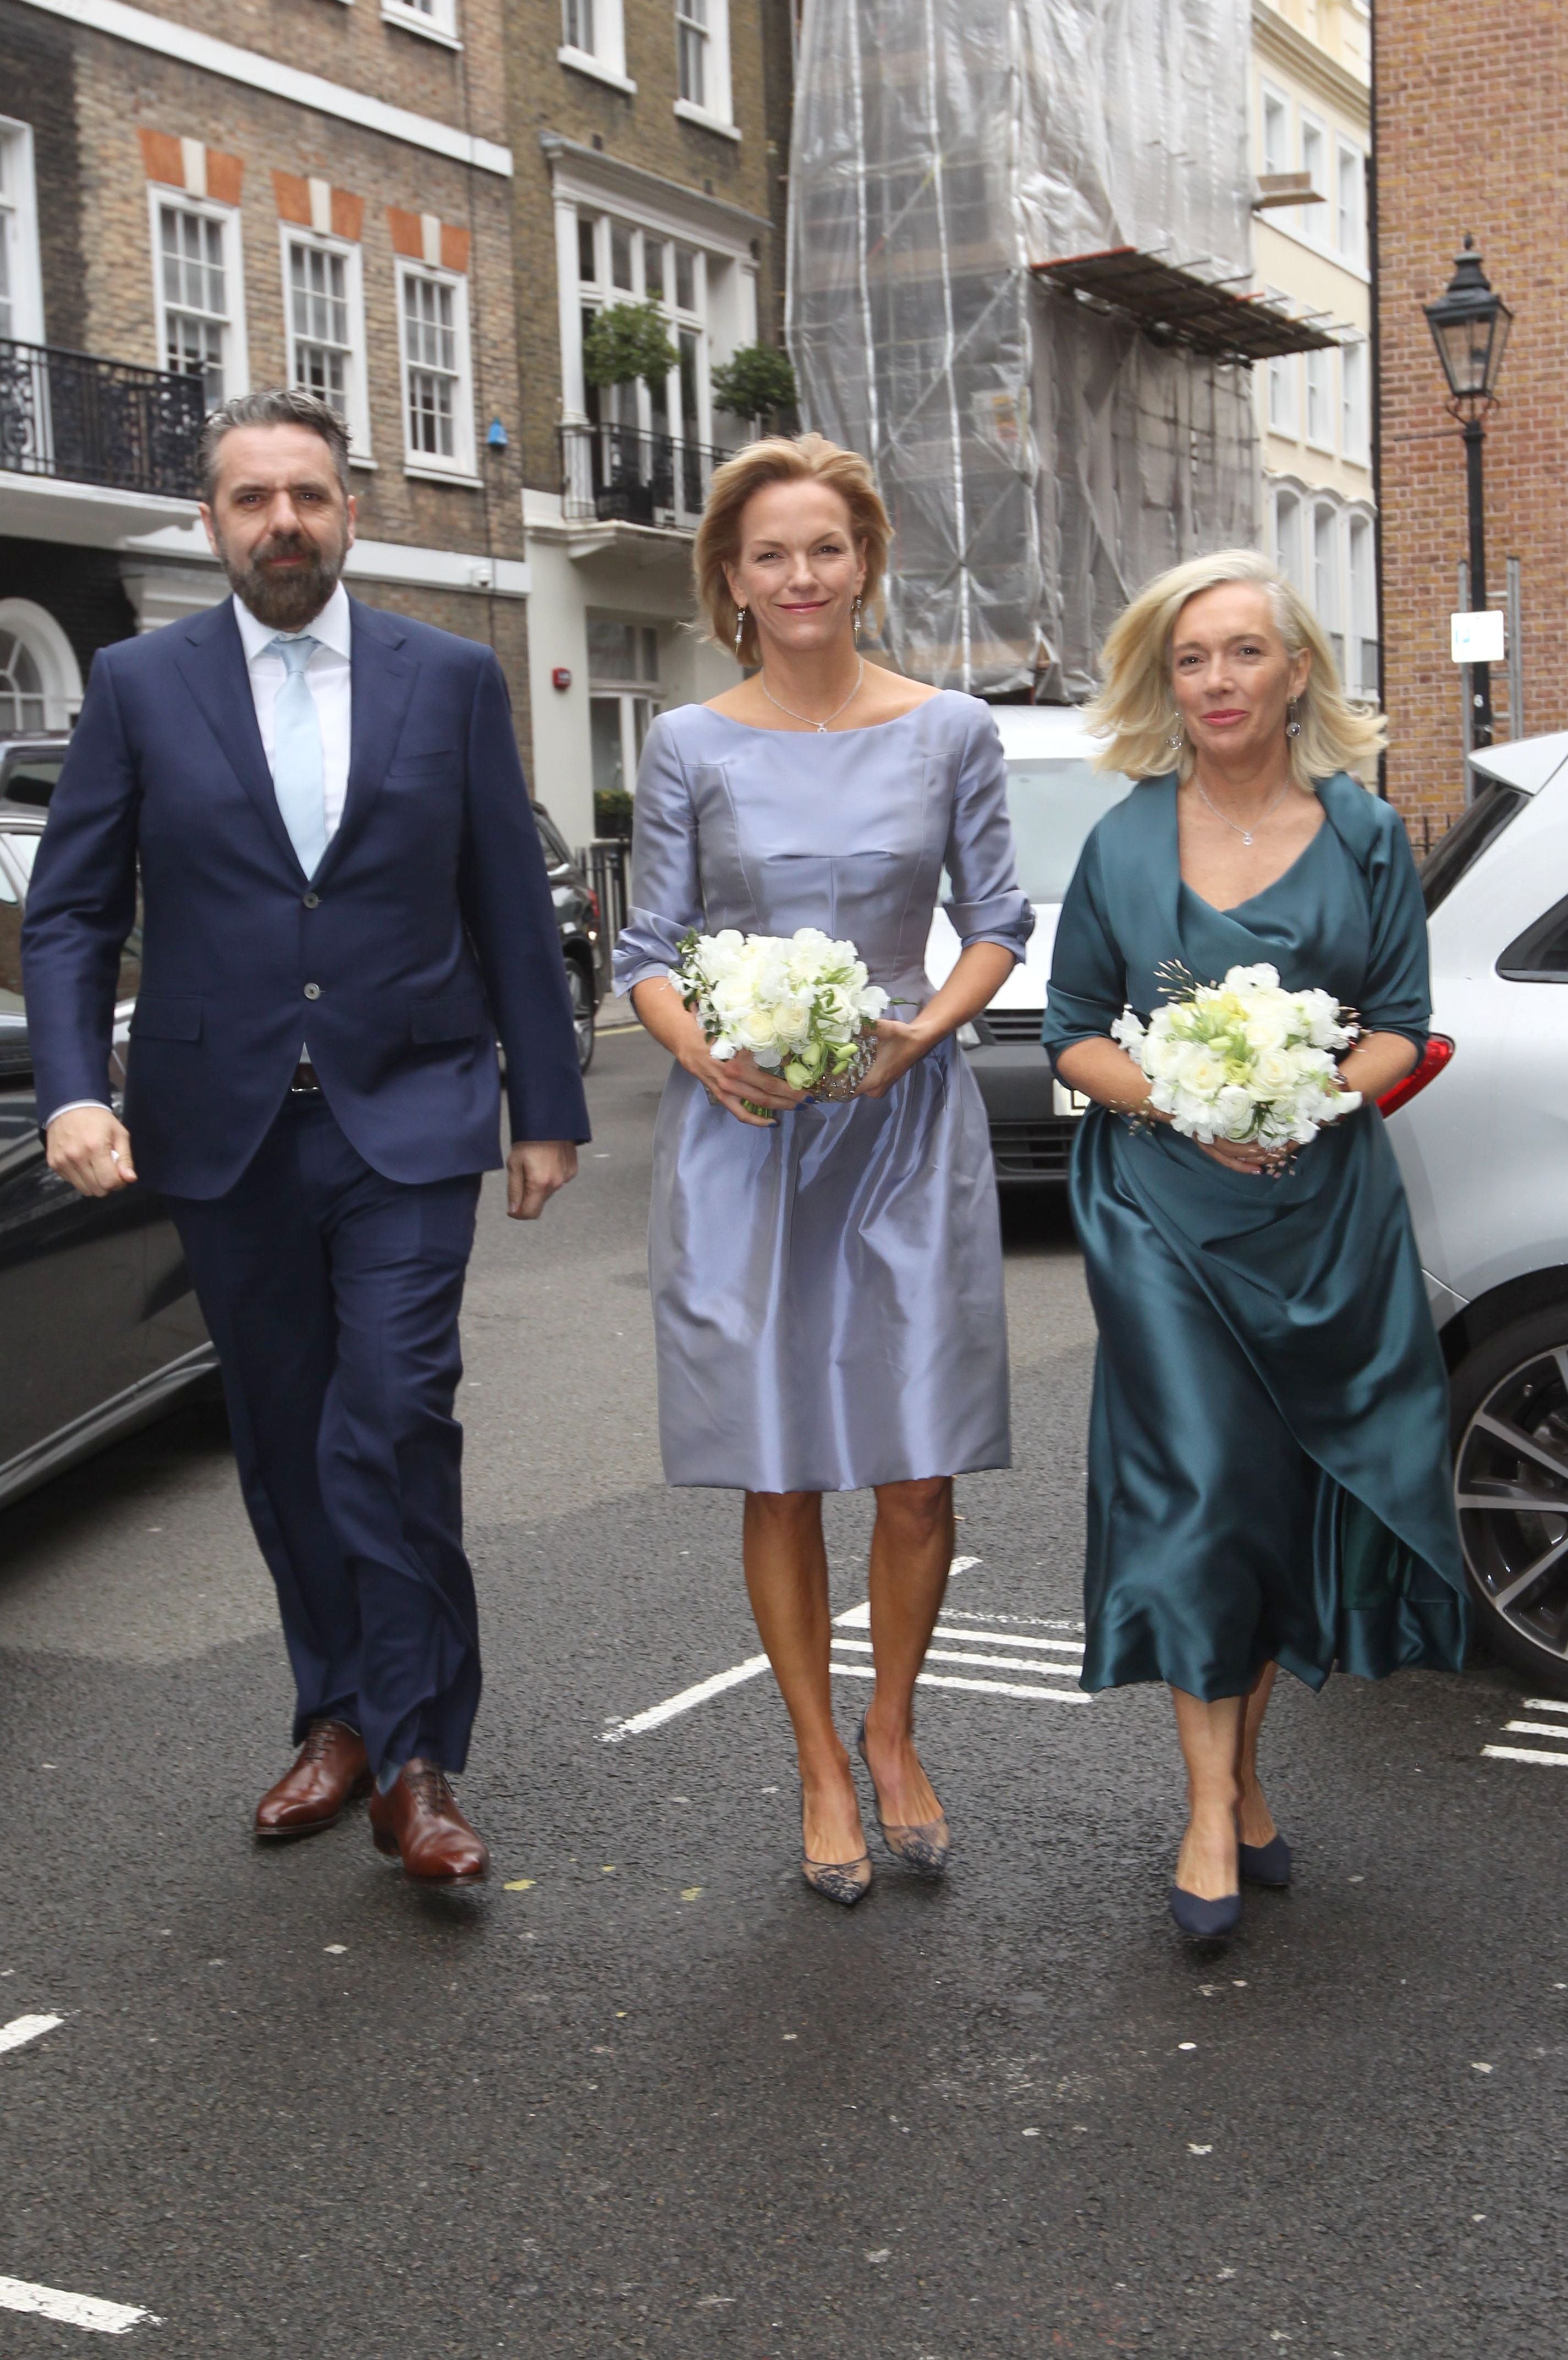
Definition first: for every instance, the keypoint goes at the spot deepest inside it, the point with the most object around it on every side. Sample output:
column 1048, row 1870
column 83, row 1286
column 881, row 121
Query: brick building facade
column 651, row 139
column 249, row 194
column 1468, row 128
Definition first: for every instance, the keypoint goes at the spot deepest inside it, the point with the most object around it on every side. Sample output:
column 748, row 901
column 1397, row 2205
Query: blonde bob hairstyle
column 1135, row 711
column 782, row 459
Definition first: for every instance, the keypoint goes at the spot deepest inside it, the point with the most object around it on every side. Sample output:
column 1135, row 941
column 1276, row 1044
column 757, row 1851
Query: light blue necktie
column 299, row 767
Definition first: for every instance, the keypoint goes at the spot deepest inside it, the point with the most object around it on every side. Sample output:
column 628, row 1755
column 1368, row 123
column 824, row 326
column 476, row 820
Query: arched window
column 1288, row 536
column 40, row 680
column 1326, row 602
column 1363, row 607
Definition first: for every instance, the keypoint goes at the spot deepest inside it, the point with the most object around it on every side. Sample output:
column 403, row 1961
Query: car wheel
column 582, row 995
column 1510, row 1459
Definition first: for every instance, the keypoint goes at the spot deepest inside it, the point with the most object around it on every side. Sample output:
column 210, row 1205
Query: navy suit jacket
column 427, row 932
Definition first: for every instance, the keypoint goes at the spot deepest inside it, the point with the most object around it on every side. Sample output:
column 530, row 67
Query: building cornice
column 1275, row 38
column 595, row 173
column 258, row 71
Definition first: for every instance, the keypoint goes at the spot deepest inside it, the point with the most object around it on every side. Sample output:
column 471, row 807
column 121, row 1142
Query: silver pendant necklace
column 819, row 726
column 1245, row 834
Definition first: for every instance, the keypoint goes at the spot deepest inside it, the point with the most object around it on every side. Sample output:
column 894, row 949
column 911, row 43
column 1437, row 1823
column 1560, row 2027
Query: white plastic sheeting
column 1039, row 458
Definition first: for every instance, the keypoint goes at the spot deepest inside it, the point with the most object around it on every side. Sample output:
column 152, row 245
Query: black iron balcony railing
column 618, row 475
column 86, row 420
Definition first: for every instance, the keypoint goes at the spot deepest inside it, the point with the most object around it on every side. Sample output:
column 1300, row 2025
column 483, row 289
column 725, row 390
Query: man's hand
column 91, row 1149
column 536, row 1168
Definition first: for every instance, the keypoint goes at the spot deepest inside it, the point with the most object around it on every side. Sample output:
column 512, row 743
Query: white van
column 1054, row 798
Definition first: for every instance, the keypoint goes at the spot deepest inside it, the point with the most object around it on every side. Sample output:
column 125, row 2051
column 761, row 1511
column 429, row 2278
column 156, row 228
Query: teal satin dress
column 1268, row 1473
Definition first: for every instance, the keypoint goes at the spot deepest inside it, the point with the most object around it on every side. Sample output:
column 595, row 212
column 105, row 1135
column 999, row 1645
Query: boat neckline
column 857, row 729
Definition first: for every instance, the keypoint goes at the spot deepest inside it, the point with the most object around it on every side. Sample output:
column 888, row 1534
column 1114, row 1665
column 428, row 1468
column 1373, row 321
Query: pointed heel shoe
column 1266, row 1864
column 844, row 1881
column 926, row 1849
column 1205, row 1921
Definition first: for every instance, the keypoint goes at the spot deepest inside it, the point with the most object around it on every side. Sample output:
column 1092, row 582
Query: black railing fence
column 87, row 421
column 606, row 864
column 616, row 473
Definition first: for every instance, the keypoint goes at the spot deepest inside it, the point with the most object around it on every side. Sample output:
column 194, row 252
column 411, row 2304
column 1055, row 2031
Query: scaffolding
column 1044, row 443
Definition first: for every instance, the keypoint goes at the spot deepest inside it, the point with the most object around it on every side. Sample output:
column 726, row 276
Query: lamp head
column 1469, row 323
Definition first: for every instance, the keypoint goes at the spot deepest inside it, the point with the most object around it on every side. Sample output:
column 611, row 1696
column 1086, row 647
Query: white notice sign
column 1477, row 639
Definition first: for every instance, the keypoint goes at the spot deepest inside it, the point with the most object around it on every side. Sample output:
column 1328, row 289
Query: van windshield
column 1053, row 804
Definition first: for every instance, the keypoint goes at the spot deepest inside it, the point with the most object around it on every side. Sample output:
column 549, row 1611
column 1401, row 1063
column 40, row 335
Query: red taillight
column 593, row 903
column 1433, row 1057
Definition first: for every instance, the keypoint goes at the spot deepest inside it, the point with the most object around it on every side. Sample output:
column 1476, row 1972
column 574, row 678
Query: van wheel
column 1510, row 1459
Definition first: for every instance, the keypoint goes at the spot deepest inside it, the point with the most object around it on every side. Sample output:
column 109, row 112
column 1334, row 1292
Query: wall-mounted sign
column 1477, row 639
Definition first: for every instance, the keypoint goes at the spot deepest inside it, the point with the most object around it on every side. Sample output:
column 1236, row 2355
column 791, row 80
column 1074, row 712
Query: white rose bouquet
column 801, row 1003
column 1244, row 1060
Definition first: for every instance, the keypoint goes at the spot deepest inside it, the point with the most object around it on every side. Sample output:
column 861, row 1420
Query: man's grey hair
column 272, row 404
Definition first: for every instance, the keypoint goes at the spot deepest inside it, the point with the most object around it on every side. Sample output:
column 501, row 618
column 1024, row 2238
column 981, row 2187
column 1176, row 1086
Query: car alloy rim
column 1511, row 1490
column 581, row 1009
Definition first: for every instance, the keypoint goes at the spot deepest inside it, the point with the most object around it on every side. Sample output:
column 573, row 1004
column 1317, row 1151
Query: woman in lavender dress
column 827, row 1278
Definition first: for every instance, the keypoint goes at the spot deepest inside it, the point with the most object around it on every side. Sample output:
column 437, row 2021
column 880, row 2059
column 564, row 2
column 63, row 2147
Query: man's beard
column 285, row 602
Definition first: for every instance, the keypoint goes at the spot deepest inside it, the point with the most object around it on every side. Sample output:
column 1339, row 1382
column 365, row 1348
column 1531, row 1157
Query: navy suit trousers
column 333, row 1295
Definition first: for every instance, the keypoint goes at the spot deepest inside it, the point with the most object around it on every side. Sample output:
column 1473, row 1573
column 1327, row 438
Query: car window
column 1053, row 804
column 1466, row 840
column 555, row 850
column 1540, row 954
column 31, row 779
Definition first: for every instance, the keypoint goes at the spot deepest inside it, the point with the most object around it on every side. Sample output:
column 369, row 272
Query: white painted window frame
column 1345, row 150
column 1356, row 413
column 1284, row 374
column 717, row 111
column 1318, row 366
column 1270, row 95
column 460, row 466
column 59, row 674
column 236, row 347
column 1360, row 609
column 440, row 26
column 1315, row 222
column 606, row 61
column 19, row 227
column 292, row 234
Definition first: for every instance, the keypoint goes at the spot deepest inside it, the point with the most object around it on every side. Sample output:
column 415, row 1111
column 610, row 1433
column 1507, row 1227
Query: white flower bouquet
column 1244, row 1060
column 802, row 1004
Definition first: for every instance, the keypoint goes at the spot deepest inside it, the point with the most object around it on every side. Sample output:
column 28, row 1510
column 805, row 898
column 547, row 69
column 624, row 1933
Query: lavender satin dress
column 827, row 1293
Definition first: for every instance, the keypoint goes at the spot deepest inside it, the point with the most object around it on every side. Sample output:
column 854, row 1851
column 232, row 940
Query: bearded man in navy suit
column 344, row 906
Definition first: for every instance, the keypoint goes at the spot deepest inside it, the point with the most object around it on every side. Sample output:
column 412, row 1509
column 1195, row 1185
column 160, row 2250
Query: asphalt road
column 645, row 2093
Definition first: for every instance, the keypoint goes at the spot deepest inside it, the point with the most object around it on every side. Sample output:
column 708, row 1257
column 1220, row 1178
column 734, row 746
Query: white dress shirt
column 327, row 675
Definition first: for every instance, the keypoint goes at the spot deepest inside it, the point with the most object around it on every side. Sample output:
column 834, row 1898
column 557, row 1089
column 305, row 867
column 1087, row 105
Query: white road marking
column 1010, row 1639
column 27, row 2027
column 685, row 1701
column 1524, row 1754
column 72, row 2309
column 991, row 1663
column 1544, row 1704
column 988, row 1688
column 1536, row 1728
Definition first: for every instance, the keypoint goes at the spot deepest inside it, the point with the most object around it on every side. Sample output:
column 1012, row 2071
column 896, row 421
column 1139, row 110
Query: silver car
column 1481, row 1132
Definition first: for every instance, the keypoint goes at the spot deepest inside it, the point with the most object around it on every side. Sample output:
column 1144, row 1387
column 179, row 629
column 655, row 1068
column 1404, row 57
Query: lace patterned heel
column 925, row 1849
column 844, row 1881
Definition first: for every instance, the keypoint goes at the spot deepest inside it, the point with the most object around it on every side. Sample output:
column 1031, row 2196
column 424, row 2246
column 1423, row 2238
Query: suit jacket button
column 312, row 901
column 313, row 992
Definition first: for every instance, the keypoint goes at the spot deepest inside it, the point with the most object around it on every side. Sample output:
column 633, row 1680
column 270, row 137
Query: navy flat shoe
column 1266, row 1864
column 1205, row 1921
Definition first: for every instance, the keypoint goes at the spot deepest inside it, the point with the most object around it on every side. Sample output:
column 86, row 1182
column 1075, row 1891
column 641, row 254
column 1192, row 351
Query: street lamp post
column 1470, row 323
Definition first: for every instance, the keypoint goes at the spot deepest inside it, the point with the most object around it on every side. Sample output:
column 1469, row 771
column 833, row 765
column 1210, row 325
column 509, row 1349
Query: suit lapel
column 381, row 685
column 212, row 662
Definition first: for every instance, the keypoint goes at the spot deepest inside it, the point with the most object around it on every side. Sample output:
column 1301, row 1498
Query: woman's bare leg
column 786, row 1578
column 1211, row 1737
column 911, row 1551
column 1254, row 1818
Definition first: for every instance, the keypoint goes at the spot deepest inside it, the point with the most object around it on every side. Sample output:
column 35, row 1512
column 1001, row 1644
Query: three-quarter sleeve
column 666, row 891
column 1087, row 990
column 1396, row 996
column 987, row 903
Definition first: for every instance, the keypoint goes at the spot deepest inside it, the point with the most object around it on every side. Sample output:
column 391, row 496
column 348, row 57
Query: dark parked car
column 29, row 767
column 102, row 1330
column 577, row 915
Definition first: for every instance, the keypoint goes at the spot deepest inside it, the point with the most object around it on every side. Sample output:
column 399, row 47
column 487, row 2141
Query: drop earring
column 858, row 621
column 741, row 613
column 1292, row 726
column 1174, row 739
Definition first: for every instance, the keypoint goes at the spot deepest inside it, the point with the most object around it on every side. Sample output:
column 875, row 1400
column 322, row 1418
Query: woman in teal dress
column 1269, row 1477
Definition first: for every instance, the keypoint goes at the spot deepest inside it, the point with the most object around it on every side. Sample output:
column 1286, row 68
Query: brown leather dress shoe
column 331, row 1770
column 417, row 1818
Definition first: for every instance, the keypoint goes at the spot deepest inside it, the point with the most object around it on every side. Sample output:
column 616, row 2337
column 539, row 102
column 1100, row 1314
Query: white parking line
column 1536, row 1728
column 1544, row 1704
column 685, row 1701
column 27, row 2027
column 72, row 2309
column 1524, row 1754
column 991, row 1663
column 1010, row 1639
column 987, row 1688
